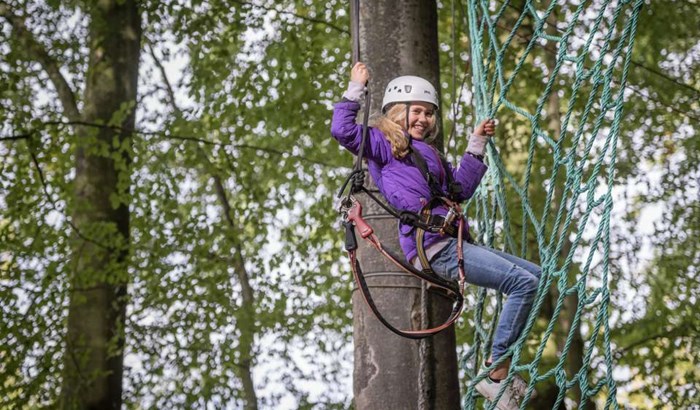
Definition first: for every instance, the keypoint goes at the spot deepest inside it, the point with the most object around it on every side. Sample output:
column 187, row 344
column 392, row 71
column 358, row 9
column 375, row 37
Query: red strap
column 354, row 215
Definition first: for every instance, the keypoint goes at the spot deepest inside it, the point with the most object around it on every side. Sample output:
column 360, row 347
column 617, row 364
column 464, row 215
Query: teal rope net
column 554, row 205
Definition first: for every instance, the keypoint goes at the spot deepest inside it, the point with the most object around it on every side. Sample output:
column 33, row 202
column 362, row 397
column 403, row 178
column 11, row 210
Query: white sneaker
column 510, row 399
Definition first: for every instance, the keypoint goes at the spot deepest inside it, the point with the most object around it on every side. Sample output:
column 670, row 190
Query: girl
column 408, row 122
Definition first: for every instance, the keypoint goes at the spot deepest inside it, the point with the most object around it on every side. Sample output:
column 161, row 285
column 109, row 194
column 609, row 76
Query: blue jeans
column 497, row 270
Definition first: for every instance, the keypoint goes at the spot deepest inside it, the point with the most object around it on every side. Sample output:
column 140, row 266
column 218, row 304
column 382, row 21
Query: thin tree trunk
column 93, row 364
column 246, row 320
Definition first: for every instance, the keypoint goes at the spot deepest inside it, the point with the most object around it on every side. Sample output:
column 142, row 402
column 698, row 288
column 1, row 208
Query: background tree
column 102, row 121
column 214, row 200
column 657, row 331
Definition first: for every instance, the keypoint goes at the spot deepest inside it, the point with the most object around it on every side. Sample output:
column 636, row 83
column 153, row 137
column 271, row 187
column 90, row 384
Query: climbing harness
column 351, row 209
column 453, row 188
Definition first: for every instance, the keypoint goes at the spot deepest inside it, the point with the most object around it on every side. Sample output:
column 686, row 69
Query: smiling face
column 421, row 119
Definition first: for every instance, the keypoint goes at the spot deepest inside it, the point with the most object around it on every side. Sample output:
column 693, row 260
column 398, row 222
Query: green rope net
column 553, row 206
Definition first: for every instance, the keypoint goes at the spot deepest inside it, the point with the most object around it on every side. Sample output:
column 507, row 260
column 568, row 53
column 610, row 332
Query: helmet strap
column 408, row 112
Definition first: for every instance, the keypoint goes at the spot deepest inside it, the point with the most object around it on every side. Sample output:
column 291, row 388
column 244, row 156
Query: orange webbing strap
column 354, row 215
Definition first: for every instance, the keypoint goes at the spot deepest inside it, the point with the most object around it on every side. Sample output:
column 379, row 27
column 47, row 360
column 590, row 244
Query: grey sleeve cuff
column 355, row 91
column 477, row 144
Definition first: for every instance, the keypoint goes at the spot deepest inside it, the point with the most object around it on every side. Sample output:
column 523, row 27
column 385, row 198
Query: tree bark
column 399, row 38
column 93, row 364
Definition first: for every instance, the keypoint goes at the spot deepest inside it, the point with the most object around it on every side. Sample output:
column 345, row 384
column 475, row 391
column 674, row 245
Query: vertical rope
column 358, row 178
column 355, row 30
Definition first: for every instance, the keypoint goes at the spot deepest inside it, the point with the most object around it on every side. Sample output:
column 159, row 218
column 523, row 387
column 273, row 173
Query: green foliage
column 262, row 132
column 657, row 333
column 257, row 87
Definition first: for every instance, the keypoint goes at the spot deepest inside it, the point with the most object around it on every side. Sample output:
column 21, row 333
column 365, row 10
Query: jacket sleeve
column 468, row 174
column 349, row 133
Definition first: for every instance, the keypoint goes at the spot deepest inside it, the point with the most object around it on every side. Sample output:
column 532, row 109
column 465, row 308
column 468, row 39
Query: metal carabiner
column 344, row 206
column 450, row 217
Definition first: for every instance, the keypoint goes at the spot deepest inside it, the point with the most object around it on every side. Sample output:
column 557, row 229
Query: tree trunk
column 93, row 364
column 399, row 38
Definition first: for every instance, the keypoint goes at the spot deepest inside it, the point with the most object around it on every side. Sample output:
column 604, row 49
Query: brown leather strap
column 354, row 215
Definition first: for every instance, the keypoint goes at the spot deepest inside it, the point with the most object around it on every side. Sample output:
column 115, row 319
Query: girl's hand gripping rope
column 478, row 140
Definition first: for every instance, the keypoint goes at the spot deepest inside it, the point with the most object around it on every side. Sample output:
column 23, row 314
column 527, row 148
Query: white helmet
column 409, row 88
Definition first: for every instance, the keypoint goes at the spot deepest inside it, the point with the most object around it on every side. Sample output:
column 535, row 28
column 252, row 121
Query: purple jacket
column 402, row 183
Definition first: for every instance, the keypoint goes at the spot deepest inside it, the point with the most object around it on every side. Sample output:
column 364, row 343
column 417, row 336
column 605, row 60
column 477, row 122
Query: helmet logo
column 408, row 88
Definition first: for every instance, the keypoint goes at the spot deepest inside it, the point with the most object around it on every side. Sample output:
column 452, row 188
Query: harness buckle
column 453, row 213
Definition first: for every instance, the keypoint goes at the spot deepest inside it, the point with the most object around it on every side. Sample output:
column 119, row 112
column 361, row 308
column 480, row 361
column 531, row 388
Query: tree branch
column 299, row 16
column 16, row 137
column 682, row 330
column 168, row 86
column 37, row 52
column 55, row 207
column 163, row 134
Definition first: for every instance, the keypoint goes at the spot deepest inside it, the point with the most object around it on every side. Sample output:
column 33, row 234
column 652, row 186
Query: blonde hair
column 393, row 125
